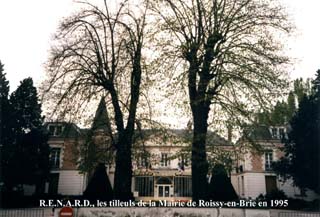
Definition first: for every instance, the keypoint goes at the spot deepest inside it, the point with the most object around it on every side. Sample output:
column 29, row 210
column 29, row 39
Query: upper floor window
column 142, row 161
column 278, row 132
column 282, row 133
column 274, row 132
column 55, row 130
column 268, row 160
column 55, row 158
column 164, row 161
column 183, row 161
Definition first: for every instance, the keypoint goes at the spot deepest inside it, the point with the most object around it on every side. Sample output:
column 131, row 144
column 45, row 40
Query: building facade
column 254, row 175
column 162, row 167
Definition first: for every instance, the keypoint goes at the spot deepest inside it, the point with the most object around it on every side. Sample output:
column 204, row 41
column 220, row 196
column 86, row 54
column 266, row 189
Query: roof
column 182, row 135
column 71, row 130
column 260, row 133
column 101, row 120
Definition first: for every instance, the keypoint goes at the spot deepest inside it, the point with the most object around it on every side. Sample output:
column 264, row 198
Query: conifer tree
column 302, row 149
column 5, row 135
column 29, row 152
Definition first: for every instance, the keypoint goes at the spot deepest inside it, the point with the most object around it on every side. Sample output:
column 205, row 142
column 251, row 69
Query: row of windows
column 142, row 162
column 165, row 161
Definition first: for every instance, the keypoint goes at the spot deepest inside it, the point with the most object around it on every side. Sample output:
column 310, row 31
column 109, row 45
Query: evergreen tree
column 302, row 149
column 4, row 106
column 291, row 105
column 28, row 161
column 5, row 135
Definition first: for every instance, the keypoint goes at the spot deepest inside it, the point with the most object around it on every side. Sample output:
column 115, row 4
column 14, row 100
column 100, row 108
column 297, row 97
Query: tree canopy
column 230, row 58
column 98, row 51
column 284, row 110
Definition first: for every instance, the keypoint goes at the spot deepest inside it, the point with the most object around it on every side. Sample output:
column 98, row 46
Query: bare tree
column 98, row 51
column 231, row 57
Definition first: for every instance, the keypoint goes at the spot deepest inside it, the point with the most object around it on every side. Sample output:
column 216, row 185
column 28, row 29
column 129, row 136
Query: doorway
column 163, row 190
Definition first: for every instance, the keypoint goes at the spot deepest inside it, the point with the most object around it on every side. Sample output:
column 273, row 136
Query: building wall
column 254, row 185
column 71, row 182
column 254, row 173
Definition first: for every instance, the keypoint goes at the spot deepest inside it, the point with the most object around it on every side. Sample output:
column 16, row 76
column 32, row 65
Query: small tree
column 220, row 187
column 99, row 186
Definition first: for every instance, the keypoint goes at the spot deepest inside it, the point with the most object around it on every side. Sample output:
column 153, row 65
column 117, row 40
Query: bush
column 220, row 187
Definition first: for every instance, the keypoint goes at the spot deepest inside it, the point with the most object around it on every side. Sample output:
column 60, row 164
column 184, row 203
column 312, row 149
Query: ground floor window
column 144, row 185
column 183, row 186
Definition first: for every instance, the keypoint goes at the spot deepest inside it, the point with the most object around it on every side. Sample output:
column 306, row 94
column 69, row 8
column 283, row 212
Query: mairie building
column 161, row 161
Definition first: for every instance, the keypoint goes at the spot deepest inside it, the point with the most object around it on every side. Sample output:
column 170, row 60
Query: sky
column 27, row 28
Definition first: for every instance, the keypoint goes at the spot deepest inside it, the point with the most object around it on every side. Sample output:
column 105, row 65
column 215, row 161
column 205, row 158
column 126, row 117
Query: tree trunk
column 199, row 161
column 123, row 172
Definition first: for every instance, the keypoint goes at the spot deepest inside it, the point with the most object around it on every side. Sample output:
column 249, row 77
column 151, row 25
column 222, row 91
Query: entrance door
column 163, row 190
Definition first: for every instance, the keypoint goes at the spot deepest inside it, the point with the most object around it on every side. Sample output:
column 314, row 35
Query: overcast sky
column 27, row 28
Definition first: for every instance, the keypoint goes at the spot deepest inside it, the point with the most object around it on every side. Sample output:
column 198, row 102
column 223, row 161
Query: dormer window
column 55, row 130
column 51, row 130
column 274, row 132
column 278, row 132
column 282, row 133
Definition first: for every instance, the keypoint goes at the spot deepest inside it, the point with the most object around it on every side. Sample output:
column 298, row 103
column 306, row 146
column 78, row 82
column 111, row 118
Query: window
column 58, row 130
column 142, row 161
column 164, row 162
column 281, row 133
column 51, row 130
column 274, row 132
column 144, row 185
column 278, row 132
column 268, row 160
column 55, row 158
column 55, row 130
column 183, row 186
column 183, row 161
